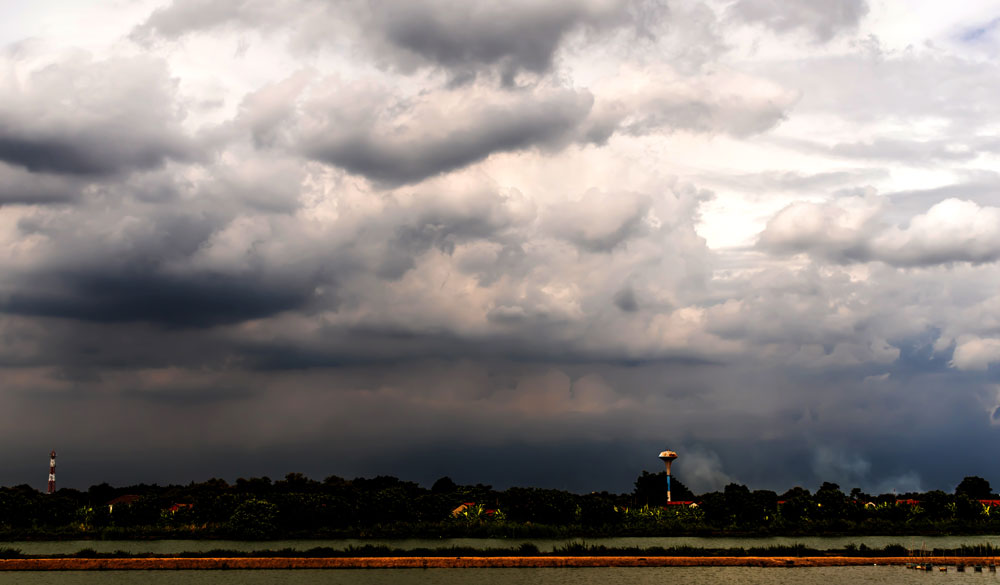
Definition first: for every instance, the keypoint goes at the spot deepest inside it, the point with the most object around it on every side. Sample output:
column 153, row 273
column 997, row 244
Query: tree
column 651, row 489
column 740, row 507
column 541, row 506
column 831, row 504
column 798, row 505
column 967, row 509
column 976, row 488
column 597, row 509
column 716, row 512
column 936, row 505
column 765, row 506
column 254, row 519
column 444, row 485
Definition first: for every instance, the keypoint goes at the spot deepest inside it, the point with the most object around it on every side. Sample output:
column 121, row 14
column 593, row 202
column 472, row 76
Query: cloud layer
column 441, row 238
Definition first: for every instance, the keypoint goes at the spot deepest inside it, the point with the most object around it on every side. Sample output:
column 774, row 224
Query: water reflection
column 602, row 576
column 177, row 546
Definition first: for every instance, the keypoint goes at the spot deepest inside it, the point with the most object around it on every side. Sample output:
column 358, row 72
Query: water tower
column 668, row 458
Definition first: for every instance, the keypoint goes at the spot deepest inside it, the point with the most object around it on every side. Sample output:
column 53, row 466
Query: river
column 545, row 545
column 606, row 576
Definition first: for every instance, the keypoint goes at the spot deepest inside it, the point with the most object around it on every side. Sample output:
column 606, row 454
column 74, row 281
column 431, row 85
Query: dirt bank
column 168, row 563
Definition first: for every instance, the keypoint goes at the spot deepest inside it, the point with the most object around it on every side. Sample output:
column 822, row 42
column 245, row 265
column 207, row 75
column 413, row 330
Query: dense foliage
column 259, row 508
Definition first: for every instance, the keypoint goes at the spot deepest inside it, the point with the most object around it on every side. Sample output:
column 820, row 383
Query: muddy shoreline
column 174, row 563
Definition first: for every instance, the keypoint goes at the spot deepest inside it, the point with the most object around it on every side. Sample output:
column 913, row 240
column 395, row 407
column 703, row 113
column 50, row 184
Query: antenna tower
column 52, row 473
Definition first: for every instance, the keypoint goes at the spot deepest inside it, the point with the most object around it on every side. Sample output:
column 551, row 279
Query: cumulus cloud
column 489, row 231
column 835, row 229
column 975, row 353
column 521, row 35
column 464, row 38
column 854, row 229
column 598, row 222
column 951, row 231
column 81, row 116
column 396, row 138
column 404, row 142
column 724, row 102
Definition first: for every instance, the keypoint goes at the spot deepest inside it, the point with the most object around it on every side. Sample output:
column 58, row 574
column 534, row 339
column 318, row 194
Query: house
column 121, row 501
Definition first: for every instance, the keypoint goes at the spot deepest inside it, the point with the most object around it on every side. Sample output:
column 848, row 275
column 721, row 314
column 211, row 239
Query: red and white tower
column 52, row 473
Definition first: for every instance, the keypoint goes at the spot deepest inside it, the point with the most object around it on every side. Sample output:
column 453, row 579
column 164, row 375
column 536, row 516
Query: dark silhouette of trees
column 298, row 506
column 254, row 519
column 975, row 488
column 831, row 503
column 444, row 485
column 797, row 507
column 651, row 489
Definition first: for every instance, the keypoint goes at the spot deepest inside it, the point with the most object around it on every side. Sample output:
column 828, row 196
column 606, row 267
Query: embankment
column 174, row 563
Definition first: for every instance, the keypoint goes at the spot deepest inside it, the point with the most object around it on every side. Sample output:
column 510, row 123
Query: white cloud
column 974, row 353
column 853, row 229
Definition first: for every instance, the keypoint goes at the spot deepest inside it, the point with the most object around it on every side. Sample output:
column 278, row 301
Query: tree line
column 297, row 506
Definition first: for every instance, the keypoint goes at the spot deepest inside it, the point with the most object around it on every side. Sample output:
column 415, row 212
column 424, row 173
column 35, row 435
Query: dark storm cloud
column 443, row 238
column 396, row 153
column 20, row 186
column 194, row 300
column 93, row 118
column 438, row 228
column 820, row 20
column 460, row 36
column 626, row 301
column 468, row 36
column 145, row 249
column 852, row 434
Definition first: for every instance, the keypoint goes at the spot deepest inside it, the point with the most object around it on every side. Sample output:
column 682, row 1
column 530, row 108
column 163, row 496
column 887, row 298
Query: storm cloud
column 478, row 239
column 83, row 117
column 508, row 37
column 433, row 141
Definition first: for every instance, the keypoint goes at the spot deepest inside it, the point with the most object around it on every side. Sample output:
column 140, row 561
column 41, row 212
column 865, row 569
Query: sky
column 516, row 243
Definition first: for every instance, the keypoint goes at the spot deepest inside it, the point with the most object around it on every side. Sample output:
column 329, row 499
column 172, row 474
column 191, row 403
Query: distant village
column 659, row 504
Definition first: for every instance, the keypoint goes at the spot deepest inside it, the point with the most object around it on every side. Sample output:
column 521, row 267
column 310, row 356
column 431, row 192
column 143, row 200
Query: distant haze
column 516, row 243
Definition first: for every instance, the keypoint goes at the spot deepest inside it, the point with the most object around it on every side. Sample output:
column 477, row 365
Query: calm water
column 176, row 546
column 608, row 576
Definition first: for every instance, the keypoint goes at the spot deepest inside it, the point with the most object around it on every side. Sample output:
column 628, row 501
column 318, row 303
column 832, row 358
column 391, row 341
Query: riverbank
column 174, row 563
